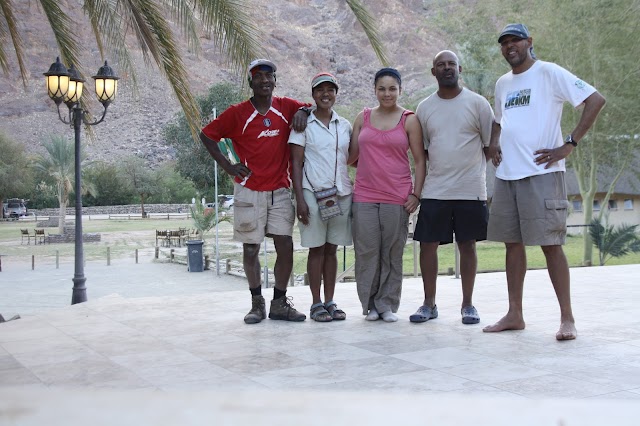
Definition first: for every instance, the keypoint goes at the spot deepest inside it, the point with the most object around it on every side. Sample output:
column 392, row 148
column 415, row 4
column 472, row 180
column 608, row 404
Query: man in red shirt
column 259, row 129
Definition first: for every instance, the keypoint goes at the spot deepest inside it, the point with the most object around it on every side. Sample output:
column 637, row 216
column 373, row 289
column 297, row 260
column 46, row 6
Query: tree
column 613, row 241
column 111, row 186
column 15, row 173
column 173, row 187
column 59, row 165
column 473, row 33
column 43, row 195
column 228, row 22
column 142, row 181
column 193, row 161
column 600, row 47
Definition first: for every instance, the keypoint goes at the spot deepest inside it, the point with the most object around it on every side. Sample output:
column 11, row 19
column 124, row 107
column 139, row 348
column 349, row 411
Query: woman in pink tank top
column 384, row 195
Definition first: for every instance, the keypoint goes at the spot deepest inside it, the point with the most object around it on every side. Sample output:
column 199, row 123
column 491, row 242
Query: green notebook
column 226, row 146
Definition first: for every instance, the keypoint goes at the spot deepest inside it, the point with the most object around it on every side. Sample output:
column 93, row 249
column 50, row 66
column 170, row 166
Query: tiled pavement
column 156, row 336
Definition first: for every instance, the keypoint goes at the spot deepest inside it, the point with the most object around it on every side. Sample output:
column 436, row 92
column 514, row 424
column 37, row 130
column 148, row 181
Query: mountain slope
column 303, row 37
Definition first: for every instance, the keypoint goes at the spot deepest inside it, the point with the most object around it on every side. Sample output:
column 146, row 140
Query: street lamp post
column 65, row 85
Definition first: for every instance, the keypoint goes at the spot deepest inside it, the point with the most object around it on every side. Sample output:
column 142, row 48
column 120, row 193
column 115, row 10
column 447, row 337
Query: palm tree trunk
column 62, row 217
column 63, row 199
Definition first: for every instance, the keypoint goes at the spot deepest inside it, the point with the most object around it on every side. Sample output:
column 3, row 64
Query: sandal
column 336, row 314
column 319, row 313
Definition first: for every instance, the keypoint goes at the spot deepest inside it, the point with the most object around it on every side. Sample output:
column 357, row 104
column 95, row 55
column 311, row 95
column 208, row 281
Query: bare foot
column 506, row 323
column 567, row 331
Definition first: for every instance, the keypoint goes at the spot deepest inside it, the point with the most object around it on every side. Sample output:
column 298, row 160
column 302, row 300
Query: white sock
column 372, row 315
column 389, row 316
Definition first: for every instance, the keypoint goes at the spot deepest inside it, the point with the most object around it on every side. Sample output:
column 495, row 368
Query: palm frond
column 4, row 61
column 614, row 241
column 205, row 219
column 619, row 239
column 182, row 12
column 370, row 29
column 62, row 27
column 634, row 247
column 107, row 23
column 6, row 10
column 232, row 29
column 596, row 231
column 155, row 35
column 133, row 14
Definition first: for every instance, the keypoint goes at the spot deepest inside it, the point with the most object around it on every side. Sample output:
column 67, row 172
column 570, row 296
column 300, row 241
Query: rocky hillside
column 302, row 37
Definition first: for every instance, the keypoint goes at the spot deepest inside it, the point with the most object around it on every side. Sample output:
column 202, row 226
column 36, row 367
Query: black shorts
column 439, row 219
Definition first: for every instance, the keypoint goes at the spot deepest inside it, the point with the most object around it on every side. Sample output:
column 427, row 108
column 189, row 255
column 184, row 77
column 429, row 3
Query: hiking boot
column 282, row 309
column 258, row 311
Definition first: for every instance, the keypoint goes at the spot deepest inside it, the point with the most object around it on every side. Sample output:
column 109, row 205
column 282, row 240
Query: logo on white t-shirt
column 519, row 98
column 580, row 84
column 269, row 133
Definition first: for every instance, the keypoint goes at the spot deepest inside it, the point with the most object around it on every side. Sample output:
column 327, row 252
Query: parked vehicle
column 226, row 201
column 210, row 208
column 14, row 208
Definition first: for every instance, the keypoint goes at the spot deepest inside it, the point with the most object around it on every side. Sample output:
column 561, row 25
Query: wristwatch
column 306, row 109
column 569, row 139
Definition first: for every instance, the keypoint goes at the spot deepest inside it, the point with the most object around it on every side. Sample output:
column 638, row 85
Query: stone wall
column 69, row 236
column 126, row 209
column 87, row 238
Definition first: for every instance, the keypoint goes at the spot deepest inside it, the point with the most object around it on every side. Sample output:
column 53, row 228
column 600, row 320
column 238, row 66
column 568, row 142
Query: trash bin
column 194, row 256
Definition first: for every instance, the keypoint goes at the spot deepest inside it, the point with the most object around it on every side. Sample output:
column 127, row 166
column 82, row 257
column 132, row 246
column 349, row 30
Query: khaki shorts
column 532, row 210
column 257, row 214
column 336, row 230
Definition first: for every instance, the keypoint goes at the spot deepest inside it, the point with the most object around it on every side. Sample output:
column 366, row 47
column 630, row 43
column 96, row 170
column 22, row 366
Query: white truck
column 14, row 208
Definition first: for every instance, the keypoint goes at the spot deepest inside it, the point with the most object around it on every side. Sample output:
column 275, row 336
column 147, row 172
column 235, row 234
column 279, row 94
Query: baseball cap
column 518, row 30
column 260, row 62
column 322, row 78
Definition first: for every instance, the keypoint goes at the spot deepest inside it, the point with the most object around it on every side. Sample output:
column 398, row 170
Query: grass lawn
column 123, row 237
column 491, row 257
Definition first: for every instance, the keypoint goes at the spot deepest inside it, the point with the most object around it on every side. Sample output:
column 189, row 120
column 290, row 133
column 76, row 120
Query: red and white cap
column 260, row 62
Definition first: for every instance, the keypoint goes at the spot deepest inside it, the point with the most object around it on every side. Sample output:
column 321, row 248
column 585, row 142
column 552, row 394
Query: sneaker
column 424, row 313
column 282, row 309
column 470, row 315
column 258, row 311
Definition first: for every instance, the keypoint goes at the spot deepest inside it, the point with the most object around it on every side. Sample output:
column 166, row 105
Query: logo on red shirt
column 269, row 133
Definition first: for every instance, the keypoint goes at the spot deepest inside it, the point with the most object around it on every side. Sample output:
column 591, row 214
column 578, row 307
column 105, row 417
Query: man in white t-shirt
column 456, row 127
column 529, row 204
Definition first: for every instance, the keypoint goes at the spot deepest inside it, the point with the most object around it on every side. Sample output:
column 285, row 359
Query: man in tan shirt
column 456, row 125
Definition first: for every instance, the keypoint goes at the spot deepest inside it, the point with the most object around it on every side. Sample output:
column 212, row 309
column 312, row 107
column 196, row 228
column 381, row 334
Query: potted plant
column 204, row 218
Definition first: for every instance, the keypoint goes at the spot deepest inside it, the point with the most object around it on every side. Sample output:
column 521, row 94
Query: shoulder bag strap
column 335, row 170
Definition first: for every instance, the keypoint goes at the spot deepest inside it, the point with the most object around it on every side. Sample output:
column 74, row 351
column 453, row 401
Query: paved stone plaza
column 157, row 337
